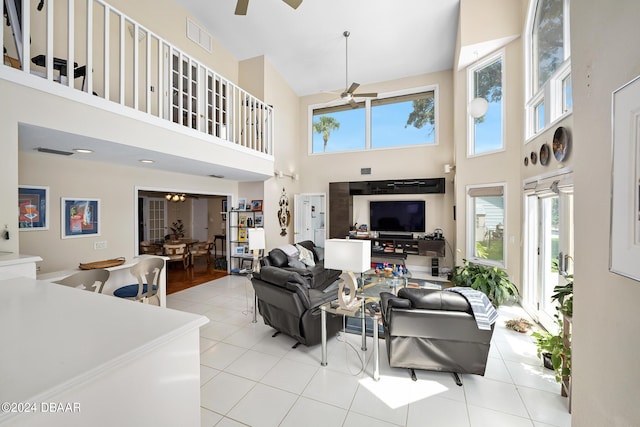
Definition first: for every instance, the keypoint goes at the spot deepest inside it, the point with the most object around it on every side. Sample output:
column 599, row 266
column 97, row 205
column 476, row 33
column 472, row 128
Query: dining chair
column 148, row 273
column 177, row 252
column 148, row 248
column 202, row 249
column 89, row 280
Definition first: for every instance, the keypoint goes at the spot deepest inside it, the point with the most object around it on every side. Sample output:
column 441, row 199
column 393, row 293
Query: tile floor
column 249, row 378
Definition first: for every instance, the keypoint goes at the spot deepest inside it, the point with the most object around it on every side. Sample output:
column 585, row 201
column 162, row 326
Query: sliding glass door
column 548, row 254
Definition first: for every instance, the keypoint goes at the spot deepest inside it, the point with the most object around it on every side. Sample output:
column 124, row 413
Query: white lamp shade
column 256, row 239
column 348, row 255
column 478, row 107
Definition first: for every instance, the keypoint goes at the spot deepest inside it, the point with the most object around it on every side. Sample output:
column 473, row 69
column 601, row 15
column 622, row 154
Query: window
column 486, row 224
column 548, row 64
column 403, row 120
column 394, row 121
column 486, row 81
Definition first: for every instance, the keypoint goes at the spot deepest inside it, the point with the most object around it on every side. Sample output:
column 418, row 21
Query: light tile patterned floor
column 250, row 378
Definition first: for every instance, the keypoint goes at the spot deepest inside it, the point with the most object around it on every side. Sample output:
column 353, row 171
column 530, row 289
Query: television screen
column 397, row 215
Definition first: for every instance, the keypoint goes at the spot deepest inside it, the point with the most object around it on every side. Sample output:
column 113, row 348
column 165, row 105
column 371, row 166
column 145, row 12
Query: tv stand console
column 402, row 246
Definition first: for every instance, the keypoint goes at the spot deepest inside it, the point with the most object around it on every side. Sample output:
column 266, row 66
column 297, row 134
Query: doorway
column 309, row 217
column 548, row 250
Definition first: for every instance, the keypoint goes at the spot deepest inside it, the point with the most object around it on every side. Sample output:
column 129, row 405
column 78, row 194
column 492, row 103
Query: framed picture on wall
column 625, row 197
column 242, row 204
column 258, row 221
column 33, row 208
column 80, row 217
column 256, row 205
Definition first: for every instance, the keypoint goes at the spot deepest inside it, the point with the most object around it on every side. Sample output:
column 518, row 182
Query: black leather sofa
column 288, row 303
column 433, row 330
column 317, row 276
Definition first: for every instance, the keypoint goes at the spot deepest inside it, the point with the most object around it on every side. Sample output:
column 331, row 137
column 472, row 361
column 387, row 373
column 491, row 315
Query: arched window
column 548, row 64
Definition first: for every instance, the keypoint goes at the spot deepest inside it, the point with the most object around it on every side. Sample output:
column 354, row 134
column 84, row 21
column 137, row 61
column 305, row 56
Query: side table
column 360, row 314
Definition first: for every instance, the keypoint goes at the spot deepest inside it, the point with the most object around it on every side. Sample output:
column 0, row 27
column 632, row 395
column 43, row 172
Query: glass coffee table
column 374, row 284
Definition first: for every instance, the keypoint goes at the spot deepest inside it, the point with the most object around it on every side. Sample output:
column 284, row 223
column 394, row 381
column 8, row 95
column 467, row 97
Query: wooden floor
column 179, row 279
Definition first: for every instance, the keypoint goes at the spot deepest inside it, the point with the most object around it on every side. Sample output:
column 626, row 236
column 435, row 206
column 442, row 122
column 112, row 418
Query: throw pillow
column 319, row 253
column 306, row 256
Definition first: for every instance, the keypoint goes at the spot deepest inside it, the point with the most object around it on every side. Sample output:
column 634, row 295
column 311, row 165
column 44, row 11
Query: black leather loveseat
column 433, row 330
column 290, row 305
column 317, row 276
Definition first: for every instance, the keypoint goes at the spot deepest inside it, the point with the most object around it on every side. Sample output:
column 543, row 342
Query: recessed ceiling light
column 83, row 150
column 146, row 161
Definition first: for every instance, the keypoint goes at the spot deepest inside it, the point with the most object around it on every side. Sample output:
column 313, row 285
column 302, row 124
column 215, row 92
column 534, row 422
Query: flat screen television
column 397, row 215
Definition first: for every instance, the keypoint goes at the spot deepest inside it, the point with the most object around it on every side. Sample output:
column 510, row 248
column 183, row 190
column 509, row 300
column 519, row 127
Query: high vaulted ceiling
column 390, row 39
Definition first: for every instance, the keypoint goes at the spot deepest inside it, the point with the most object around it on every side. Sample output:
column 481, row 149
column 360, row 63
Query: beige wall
column 115, row 187
column 605, row 345
column 318, row 170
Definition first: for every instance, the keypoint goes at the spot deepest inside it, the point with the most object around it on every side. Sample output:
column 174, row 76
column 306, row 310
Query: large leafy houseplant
column 553, row 344
column 492, row 281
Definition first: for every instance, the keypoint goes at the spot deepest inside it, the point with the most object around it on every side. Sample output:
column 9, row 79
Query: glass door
column 548, row 255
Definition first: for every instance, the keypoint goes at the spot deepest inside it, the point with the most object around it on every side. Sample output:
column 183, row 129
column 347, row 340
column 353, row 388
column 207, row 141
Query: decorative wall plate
column 544, row 154
column 534, row 157
column 560, row 143
column 526, row 161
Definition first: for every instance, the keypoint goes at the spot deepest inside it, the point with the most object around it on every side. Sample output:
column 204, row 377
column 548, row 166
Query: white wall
column 605, row 343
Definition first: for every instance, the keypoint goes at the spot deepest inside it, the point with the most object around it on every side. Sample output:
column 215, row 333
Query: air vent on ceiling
column 365, row 171
column 51, row 151
column 216, row 176
column 198, row 35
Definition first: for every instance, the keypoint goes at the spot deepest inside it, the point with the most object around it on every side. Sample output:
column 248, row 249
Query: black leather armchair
column 288, row 304
column 433, row 330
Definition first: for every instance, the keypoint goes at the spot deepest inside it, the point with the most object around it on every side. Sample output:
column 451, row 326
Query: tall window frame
column 368, row 104
column 472, row 92
column 554, row 93
column 493, row 228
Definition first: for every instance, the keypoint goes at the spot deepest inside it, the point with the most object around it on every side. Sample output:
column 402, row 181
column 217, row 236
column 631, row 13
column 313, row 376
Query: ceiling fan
column 242, row 5
column 349, row 91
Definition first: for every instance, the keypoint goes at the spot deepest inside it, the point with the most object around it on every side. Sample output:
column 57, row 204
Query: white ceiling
column 390, row 39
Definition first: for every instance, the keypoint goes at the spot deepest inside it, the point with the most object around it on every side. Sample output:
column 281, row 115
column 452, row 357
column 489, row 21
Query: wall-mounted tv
column 397, row 215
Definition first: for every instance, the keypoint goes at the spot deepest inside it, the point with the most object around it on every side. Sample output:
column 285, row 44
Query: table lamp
column 350, row 256
column 256, row 243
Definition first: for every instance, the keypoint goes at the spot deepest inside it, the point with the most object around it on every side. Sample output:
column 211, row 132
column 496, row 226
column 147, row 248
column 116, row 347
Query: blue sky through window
column 488, row 134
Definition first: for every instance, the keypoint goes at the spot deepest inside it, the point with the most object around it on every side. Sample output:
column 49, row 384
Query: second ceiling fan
column 242, row 5
column 349, row 91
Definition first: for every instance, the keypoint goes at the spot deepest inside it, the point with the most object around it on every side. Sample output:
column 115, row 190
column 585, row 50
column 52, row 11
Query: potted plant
column 177, row 229
column 551, row 347
column 492, row 281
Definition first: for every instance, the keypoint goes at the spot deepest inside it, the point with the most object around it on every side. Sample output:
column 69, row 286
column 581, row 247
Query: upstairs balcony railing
column 116, row 58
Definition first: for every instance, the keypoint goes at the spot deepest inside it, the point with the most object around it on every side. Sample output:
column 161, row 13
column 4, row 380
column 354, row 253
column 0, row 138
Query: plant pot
column 546, row 360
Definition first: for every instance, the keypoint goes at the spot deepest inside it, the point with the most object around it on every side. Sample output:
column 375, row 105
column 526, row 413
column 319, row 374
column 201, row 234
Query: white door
column 200, row 216
column 309, row 217
column 548, row 259
column 155, row 219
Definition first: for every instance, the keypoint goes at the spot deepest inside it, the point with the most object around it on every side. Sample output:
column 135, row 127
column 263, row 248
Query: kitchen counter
column 17, row 265
column 118, row 361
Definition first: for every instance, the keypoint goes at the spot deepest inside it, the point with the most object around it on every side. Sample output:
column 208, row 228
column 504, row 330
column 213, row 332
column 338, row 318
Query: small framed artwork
column 33, row 208
column 224, row 205
column 256, row 205
column 242, row 235
column 625, row 197
column 80, row 217
column 239, row 250
column 258, row 220
column 242, row 204
column 242, row 221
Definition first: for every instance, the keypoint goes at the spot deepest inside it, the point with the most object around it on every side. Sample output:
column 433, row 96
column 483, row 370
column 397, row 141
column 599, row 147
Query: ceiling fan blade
column 293, row 3
column 241, row 7
column 366, row 95
column 353, row 87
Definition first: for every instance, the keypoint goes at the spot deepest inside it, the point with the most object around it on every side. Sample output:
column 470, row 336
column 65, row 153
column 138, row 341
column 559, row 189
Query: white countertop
column 55, row 337
column 8, row 258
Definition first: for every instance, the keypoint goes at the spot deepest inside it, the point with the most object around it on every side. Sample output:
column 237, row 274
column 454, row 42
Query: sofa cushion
column 281, row 277
column 296, row 263
column 434, row 299
column 319, row 253
column 309, row 245
column 278, row 258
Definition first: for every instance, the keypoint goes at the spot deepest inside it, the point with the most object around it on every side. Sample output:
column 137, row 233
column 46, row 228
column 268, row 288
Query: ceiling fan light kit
column 349, row 91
